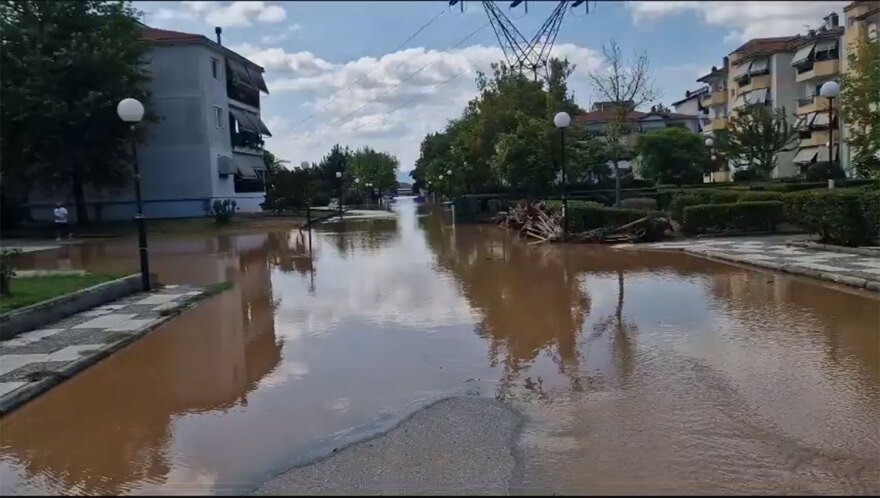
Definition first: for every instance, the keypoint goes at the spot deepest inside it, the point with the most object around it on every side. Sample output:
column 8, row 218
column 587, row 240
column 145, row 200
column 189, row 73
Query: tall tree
column 860, row 106
column 66, row 65
column 755, row 136
column 625, row 86
column 672, row 155
column 371, row 166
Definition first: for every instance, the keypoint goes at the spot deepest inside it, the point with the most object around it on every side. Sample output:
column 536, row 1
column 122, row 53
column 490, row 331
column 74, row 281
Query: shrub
column 7, row 270
column 589, row 215
column 352, row 198
column 837, row 216
column 223, row 210
column 745, row 175
column 732, row 216
column 320, row 200
column 676, row 207
column 644, row 203
column 870, row 205
column 824, row 171
column 757, row 196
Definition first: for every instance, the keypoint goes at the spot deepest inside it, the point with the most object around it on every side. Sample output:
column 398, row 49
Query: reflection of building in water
column 109, row 429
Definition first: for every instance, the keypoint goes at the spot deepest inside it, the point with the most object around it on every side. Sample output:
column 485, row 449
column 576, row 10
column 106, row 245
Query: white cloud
column 225, row 14
column 389, row 102
column 746, row 20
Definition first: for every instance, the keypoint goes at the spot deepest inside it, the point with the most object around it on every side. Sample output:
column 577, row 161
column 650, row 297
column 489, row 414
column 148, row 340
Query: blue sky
column 335, row 73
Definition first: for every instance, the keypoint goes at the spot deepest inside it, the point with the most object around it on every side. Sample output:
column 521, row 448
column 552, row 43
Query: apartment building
column 207, row 142
column 596, row 123
column 862, row 24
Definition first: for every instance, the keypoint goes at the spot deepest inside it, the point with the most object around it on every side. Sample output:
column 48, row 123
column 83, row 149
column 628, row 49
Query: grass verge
column 26, row 291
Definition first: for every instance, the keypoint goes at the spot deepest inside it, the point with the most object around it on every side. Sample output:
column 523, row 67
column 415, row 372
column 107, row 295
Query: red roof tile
column 164, row 35
column 606, row 115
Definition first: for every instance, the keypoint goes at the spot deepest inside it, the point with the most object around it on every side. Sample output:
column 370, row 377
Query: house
column 861, row 24
column 207, row 142
column 601, row 114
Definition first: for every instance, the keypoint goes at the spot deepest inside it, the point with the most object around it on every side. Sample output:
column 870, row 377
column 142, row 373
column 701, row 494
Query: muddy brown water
column 639, row 372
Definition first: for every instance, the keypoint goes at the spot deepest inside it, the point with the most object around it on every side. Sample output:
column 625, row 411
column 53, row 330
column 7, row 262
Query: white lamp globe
column 441, row 177
column 130, row 110
column 338, row 174
column 709, row 142
column 357, row 180
column 562, row 119
column 449, row 172
column 830, row 89
column 714, row 157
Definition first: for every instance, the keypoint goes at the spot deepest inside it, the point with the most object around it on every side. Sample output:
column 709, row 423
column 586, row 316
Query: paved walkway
column 34, row 361
column 846, row 268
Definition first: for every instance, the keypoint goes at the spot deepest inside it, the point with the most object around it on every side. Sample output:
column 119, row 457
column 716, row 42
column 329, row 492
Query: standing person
column 61, row 228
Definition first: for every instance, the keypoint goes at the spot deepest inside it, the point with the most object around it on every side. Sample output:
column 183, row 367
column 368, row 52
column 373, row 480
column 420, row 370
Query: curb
column 28, row 392
column 861, row 251
column 857, row 282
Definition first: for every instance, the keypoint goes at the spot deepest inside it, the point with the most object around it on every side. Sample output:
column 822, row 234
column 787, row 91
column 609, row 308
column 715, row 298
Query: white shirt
column 60, row 214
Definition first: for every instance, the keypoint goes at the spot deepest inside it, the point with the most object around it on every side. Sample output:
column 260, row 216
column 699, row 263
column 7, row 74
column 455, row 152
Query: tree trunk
column 79, row 196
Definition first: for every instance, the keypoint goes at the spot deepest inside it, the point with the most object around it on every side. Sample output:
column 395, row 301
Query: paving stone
column 105, row 321
column 22, row 373
column 10, row 362
column 8, row 387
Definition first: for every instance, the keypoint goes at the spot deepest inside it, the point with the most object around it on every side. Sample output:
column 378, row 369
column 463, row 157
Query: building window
column 218, row 116
column 215, row 68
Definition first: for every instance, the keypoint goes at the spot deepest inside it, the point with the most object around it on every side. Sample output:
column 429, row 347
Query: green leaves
column 755, row 136
column 860, row 107
column 672, row 155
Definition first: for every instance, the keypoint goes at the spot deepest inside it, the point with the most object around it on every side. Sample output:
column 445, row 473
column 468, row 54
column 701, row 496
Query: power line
column 352, row 113
column 349, row 87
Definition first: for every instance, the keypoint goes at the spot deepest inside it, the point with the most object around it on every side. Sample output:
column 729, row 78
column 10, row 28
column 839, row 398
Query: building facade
column 206, row 141
column 862, row 25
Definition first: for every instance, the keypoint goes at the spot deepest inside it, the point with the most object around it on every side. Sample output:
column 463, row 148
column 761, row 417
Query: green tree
column 672, row 155
column 377, row 168
column 860, row 107
column 591, row 158
column 755, row 136
column 66, row 65
column 522, row 159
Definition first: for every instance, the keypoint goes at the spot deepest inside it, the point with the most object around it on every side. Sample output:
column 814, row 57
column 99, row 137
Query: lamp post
column 339, row 188
column 709, row 144
column 562, row 120
column 440, row 180
column 830, row 90
column 449, row 183
column 132, row 111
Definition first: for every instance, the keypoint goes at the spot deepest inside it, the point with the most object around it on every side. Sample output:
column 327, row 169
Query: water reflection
column 640, row 371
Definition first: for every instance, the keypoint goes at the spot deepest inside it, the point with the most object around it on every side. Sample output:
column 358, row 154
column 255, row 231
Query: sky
column 385, row 74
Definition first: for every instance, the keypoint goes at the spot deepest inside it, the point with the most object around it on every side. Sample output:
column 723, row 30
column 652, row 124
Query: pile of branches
column 538, row 221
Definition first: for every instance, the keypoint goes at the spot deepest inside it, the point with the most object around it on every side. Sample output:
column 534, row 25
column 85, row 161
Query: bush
column 676, row 207
column 745, row 175
column 589, row 215
column 870, row 206
column 352, row 198
column 837, row 216
column 760, row 196
column 320, row 200
column 733, row 216
column 644, row 203
column 824, row 171
column 223, row 210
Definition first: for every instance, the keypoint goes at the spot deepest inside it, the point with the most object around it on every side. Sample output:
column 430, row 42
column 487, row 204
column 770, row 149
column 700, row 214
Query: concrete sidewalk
column 35, row 361
column 861, row 271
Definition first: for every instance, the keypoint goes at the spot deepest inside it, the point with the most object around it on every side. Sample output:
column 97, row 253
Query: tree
column 755, row 136
column 66, row 65
column 624, row 87
column 522, row 159
column 860, row 107
column 377, row 168
column 591, row 159
column 672, row 155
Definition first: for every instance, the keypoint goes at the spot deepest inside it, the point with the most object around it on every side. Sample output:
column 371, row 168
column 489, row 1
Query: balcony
column 716, row 124
column 246, row 142
column 245, row 94
column 719, row 97
column 756, row 83
column 818, row 69
column 816, row 138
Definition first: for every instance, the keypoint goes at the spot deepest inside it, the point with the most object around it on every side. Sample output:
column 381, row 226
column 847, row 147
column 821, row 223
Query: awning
column 740, row 101
column 264, row 130
column 823, row 153
column 246, row 172
column 756, row 97
column 759, row 66
column 257, row 78
column 821, row 119
column 245, row 120
column 225, row 165
column 826, row 45
column 803, row 54
column 801, row 122
column 806, row 155
column 741, row 71
column 239, row 72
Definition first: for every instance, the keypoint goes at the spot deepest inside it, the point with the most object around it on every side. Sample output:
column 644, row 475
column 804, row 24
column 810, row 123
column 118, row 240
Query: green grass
column 31, row 290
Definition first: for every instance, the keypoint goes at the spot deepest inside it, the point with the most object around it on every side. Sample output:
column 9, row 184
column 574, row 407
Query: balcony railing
column 244, row 94
column 246, row 140
column 805, row 100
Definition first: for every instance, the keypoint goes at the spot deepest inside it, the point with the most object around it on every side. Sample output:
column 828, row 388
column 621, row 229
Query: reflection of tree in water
column 108, row 430
column 348, row 235
column 289, row 251
column 621, row 332
column 530, row 301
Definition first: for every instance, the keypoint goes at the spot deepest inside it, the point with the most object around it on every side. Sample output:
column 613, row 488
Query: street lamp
column 709, row 144
column 339, row 182
column 132, row 111
column 830, row 90
column 562, row 120
column 449, row 183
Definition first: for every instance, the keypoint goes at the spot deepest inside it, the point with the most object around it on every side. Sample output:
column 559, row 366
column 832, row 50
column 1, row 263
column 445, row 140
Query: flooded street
column 638, row 372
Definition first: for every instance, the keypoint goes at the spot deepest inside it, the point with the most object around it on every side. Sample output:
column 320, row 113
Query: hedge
column 760, row 196
column 848, row 217
column 589, row 215
column 676, row 207
column 645, row 203
column 732, row 216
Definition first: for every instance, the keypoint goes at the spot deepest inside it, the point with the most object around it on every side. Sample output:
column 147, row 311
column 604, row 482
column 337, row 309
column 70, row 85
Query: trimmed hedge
column 676, row 207
column 760, row 196
column 732, row 216
column 645, row 203
column 589, row 215
column 848, row 217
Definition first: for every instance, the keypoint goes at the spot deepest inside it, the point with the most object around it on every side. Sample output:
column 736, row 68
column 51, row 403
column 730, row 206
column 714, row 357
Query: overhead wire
column 338, row 93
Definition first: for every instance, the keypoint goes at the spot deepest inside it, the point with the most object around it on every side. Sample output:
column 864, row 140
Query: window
column 872, row 31
column 826, row 50
column 215, row 68
column 805, row 134
column 218, row 116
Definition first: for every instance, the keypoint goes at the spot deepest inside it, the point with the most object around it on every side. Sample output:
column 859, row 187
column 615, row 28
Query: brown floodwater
column 639, row 372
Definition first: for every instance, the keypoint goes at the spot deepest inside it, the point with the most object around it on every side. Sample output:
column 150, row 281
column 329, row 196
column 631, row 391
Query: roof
column 820, row 35
column 766, row 46
column 156, row 35
column 692, row 95
column 713, row 74
column 606, row 115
